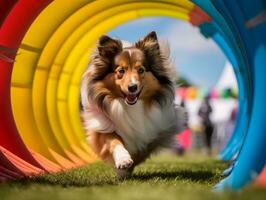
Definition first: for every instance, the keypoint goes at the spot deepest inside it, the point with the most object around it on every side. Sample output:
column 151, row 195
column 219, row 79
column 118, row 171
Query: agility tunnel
column 44, row 48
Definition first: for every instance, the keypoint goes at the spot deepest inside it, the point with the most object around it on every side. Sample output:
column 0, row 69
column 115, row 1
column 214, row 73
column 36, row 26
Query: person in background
column 204, row 113
column 182, row 104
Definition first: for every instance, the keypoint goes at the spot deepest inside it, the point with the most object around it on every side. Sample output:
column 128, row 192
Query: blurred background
column 205, row 85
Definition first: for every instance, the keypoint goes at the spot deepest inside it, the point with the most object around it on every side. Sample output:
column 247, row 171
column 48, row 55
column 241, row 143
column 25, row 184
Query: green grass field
column 161, row 177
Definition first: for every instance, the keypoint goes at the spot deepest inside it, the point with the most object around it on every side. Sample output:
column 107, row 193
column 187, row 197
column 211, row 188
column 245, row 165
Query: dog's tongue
column 131, row 99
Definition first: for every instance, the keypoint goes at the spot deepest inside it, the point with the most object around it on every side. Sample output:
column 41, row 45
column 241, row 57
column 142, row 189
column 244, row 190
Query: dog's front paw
column 122, row 158
column 124, row 163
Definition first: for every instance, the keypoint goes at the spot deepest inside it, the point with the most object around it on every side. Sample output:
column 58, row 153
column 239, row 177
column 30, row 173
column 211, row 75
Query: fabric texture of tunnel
column 42, row 74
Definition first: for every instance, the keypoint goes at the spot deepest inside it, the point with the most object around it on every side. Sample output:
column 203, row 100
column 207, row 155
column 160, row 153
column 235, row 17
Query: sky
column 196, row 58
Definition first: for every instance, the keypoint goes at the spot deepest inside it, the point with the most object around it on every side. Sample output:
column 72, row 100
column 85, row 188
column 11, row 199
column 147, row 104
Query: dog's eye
column 121, row 71
column 141, row 70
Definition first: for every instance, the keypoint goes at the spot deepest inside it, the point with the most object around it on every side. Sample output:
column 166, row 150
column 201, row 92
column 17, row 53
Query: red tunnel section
column 15, row 18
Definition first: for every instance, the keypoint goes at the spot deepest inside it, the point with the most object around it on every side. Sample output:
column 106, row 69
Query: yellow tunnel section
column 45, row 89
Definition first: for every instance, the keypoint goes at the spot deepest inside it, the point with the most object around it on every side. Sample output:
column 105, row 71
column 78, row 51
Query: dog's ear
column 154, row 58
column 151, row 49
column 149, row 44
column 109, row 47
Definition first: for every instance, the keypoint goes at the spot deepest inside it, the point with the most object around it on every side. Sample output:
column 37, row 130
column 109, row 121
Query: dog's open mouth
column 132, row 98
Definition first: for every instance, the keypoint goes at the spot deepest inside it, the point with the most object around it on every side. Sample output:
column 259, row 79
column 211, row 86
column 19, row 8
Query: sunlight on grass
column 162, row 177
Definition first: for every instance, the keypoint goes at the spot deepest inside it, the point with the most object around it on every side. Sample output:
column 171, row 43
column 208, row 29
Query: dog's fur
column 124, row 127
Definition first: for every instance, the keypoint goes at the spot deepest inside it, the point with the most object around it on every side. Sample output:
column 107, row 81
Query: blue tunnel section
column 239, row 29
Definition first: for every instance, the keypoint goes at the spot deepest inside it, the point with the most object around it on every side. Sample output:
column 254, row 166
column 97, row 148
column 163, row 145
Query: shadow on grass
column 77, row 181
column 101, row 175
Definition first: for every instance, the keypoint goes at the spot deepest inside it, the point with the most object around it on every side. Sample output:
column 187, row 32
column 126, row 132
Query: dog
column 128, row 96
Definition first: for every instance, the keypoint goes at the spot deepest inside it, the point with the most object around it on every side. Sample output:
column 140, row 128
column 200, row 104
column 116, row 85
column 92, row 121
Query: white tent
column 227, row 78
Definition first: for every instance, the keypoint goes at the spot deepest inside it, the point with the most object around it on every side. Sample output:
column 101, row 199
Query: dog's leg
column 110, row 148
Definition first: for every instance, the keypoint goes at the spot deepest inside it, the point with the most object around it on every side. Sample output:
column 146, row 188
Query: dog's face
column 132, row 73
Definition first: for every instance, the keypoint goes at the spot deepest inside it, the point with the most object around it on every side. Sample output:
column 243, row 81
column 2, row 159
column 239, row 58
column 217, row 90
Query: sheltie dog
column 128, row 96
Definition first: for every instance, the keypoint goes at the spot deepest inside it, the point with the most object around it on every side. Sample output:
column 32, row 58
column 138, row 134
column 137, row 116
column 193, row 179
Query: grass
column 162, row 177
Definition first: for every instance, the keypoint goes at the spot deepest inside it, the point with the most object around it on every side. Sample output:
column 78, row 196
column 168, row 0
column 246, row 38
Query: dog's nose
column 132, row 87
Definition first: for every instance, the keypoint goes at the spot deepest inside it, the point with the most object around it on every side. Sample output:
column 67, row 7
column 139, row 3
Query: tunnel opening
column 47, row 133
column 201, row 70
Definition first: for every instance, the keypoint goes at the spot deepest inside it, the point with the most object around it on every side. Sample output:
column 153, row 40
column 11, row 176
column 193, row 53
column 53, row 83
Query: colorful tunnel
column 44, row 48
